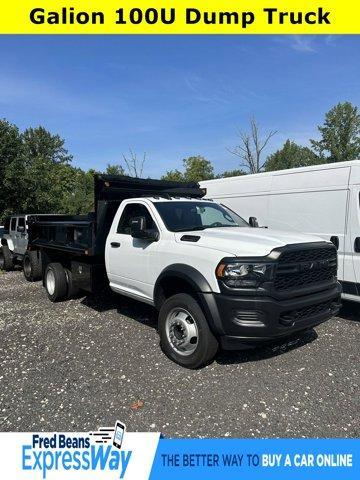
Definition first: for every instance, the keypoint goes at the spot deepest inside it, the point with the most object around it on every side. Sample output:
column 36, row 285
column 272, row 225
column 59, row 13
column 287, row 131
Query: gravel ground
column 84, row 363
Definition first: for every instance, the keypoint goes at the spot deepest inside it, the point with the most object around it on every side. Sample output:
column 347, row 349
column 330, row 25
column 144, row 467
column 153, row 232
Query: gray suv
column 14, row 248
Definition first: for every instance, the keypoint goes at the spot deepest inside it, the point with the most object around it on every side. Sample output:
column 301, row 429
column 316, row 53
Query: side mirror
column 335, row 240
column 253, row 222
column 138, row 230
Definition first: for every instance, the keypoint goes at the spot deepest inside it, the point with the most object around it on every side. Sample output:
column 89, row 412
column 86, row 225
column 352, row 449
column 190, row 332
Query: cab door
column 13, row 244
column 21, row 240
column 128, row 259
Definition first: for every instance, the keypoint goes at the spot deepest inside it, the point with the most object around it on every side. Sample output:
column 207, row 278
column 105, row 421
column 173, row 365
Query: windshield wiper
column 203, row 227
column 190, row 229
column 220, row 226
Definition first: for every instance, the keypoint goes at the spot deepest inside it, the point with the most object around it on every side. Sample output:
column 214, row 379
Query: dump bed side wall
column 74, row 234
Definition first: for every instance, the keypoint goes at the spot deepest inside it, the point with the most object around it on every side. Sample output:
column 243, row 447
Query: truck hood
column 244, row 241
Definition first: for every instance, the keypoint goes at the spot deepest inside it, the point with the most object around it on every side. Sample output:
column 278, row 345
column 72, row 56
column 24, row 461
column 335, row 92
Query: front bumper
column 243, row 321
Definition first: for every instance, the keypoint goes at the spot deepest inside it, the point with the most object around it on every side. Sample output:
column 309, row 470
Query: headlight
column 243, row 275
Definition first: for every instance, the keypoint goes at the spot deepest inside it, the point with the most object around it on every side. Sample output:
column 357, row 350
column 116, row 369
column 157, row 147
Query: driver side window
column 13, row 224
column 21, row 223
column 131, row 211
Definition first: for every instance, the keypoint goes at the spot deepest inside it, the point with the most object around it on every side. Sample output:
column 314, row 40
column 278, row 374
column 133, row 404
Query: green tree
column 37, row 186
column 40, row 179
column 340, row 134
column 10, row 149
column 114, row 170
column 39, row 143
column 196, row 169
column 174, row 176
column 78, row 196
column 36, row 175
column 231, row 173
column 291, row 155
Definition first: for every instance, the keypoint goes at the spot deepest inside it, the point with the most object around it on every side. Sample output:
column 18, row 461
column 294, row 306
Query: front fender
column 200, row 286
column 187, row 273
column 8, row 242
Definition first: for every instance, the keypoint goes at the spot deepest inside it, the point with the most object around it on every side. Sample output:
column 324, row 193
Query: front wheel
column 6, row 260
column 184, row 332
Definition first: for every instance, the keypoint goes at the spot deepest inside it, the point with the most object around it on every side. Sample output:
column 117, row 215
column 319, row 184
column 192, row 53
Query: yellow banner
column 179, row 16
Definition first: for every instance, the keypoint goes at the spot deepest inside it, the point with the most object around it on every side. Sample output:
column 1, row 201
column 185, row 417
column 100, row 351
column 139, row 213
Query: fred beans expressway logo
column 98, row 451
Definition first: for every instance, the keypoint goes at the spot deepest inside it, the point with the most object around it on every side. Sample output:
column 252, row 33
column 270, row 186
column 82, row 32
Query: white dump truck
column 214, row 279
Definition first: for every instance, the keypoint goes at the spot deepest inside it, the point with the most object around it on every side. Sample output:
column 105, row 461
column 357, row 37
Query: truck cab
column 208, row 272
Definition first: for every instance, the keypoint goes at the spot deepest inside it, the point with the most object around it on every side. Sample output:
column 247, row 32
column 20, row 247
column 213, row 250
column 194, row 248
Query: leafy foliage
column 10, row 148
column 231, row 173
column 174, row 176
column 196, row 169
column 340, row 134
column 291, row 155
column 115, row 170
column 37, row 176
column 39, row 143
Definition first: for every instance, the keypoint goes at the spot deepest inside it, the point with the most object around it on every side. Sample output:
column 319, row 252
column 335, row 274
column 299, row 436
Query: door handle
column 335, row 241
column 115, row 244
column 357, row 244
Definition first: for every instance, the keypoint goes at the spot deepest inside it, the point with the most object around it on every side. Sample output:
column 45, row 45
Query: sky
column 174, row 96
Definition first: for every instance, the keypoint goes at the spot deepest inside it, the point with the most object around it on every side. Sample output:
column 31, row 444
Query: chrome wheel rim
column 27, row 267
column 181, row 331
column 50, row 282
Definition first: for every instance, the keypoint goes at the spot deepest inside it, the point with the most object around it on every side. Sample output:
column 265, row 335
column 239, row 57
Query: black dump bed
column 86, row 234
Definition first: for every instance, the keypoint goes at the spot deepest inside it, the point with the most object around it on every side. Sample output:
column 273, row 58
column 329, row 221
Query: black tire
column 2, row 261
column 32, row 267
column 6, row 261
column 206, row 344
column 72, row 288
column 55, row 282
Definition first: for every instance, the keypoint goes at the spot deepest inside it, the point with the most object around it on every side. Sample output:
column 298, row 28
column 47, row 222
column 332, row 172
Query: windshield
column 185, row 216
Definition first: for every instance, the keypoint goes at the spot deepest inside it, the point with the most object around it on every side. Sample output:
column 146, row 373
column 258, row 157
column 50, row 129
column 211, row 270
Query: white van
column 321, row 200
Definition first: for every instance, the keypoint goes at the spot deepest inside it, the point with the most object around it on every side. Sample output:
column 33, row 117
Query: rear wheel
column 32, row 267
column 6, row 260
column 184, row 332
column 55, row 282
column 72, row 288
